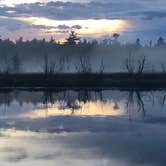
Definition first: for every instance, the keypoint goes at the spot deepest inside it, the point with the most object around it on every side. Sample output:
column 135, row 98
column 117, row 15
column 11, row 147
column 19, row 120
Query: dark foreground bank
column 117, row 80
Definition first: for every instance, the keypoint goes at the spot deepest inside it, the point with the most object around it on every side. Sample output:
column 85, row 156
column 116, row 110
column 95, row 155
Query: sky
column 145, row 19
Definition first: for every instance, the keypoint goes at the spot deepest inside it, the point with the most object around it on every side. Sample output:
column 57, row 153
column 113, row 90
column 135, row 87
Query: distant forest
column 84, row 56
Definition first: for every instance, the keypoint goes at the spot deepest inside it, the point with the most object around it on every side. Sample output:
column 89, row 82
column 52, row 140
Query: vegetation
column 79, row 63
column 79, row 56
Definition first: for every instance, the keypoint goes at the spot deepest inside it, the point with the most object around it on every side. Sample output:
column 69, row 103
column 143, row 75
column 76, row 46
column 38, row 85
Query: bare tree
column 85, row 66
column 16, row 63
column 61, row 64
column 163, row 68
column 141, row 65
column 45, row 64
column 49, row 68
column 135, row 67
column 129, row 64
column 101, row 69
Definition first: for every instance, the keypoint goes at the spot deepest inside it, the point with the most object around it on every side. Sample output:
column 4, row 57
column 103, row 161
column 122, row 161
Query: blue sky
column 91, row 19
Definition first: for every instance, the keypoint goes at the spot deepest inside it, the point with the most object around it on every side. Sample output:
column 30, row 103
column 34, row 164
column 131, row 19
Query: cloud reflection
column 97, row 108
column 133, row 145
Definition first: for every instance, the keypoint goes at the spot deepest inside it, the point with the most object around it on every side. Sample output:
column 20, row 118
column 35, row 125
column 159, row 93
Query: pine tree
column 73, row 39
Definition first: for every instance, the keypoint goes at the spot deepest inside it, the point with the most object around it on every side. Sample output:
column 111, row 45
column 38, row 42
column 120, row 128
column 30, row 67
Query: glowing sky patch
column 96, row 18
column 91, row 27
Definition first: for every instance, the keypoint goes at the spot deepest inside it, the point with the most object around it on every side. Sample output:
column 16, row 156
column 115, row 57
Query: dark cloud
column 63, row 27
column 69, row 10
column 77, row 27
column 107, row 9
column 154, row 14
column 12, row 24
column 92, row 10
column 148, row 15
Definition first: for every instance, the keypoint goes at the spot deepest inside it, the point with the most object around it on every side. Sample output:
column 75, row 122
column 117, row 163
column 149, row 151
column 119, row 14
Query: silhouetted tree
column 16, row 63
column 73, row 39
column 115, row 40
column 101, row 69
column 52, row 40
column 69, row 53
column 141, row 65
column 160, row 42
column 135, row 67
column 115, row 36
column 46, row 65
column 138, row 44
column 150, row 44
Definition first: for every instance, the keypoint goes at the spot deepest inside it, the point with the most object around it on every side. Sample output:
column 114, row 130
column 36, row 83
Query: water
column 85, row 128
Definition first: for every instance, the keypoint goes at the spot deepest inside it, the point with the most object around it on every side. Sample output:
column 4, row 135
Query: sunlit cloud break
column 90, row 18
column 96, row 28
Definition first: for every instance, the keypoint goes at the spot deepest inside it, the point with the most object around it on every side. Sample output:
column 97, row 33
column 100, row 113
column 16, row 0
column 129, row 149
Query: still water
column 85, row 128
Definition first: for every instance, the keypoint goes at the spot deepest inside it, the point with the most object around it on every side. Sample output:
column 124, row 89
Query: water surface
column 90, row 128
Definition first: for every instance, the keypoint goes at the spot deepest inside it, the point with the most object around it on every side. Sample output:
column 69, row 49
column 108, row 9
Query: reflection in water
column 97, row 108
column 135, row 102
column 133, row 145
column 85, row 128
column 38, row 104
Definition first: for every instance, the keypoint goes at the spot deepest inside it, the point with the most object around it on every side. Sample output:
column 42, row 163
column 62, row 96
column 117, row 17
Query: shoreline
column 84, row 80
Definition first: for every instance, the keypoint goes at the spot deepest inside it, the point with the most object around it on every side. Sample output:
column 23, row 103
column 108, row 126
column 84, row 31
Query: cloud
column 63, row 27
column 69, row 10
column 154, row 14
column 106, row 139
column 12, row 24
column 14, row 154
column 136, row 12
column 76, row 27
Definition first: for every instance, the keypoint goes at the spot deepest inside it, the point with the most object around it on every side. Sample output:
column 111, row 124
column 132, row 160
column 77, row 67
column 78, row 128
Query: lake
column 82, row 127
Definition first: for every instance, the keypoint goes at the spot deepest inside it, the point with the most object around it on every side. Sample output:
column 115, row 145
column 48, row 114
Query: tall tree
column 73, row 38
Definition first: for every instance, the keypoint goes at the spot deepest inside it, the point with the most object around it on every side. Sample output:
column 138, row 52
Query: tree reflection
column 81, row 99
column 135, row 102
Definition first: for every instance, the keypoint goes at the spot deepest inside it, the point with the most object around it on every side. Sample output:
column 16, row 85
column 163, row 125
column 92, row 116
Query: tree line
column 75, row 54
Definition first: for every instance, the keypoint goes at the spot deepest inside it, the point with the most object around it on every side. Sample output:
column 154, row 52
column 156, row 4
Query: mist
column 77, row 55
